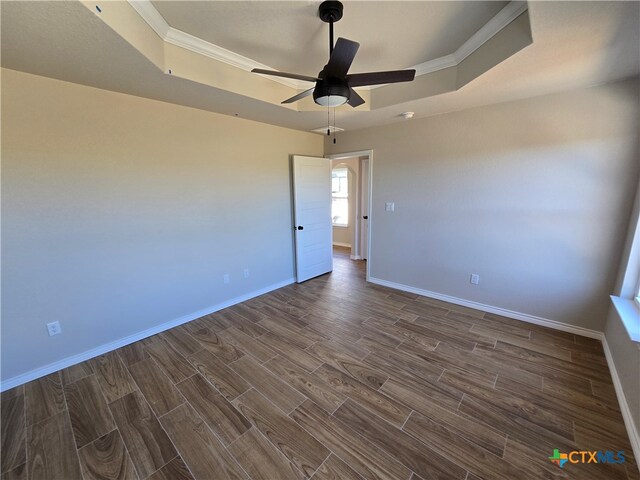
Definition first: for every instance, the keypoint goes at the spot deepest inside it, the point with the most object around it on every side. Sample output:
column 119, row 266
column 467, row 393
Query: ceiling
column 575, row 44
column 289, row 36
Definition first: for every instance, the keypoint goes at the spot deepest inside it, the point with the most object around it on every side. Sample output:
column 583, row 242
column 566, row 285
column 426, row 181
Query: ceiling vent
column 323, row 130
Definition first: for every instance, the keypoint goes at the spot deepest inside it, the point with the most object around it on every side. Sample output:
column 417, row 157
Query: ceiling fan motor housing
column 331, row 93
column 334, row 85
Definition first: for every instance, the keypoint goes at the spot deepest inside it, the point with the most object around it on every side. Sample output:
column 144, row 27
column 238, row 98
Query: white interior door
column 312, row 216
column 364, row 201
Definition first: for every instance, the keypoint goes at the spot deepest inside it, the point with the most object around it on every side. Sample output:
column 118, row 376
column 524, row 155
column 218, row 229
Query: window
column 636, row 299
column 627, row 297
column 340, row 197
column 633, row 268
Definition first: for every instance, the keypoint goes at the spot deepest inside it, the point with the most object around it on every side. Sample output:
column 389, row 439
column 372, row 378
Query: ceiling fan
column 334, row 85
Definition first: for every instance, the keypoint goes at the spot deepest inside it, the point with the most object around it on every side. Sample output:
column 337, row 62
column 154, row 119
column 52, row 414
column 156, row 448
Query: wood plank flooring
column 331, row 379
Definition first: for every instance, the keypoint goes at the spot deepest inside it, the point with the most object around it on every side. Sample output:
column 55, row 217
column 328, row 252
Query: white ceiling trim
column 150, row 15
column 166, row 32
column 504, row 17
column 156, row 21
column 197, row 45
column 434, row 65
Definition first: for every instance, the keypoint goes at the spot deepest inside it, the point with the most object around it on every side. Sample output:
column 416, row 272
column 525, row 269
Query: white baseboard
column 108, row 347
column 632, row 430
column 341, row 244
column 525, row 317
column 356, row 257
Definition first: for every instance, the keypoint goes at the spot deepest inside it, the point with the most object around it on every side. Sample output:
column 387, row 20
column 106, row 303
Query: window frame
column 340, row 196
column 626, row 299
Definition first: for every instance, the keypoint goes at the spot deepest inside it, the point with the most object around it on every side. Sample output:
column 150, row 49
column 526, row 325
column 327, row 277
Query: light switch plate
column 390, row 207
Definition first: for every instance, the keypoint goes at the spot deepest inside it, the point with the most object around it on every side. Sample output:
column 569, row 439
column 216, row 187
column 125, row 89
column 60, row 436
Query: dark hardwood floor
column 331, row 379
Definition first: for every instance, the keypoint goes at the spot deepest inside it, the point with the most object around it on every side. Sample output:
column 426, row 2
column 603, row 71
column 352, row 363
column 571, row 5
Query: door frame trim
column 362, row 153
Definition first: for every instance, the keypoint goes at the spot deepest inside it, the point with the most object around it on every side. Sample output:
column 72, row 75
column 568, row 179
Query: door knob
column 300, row 228
column 366, row 217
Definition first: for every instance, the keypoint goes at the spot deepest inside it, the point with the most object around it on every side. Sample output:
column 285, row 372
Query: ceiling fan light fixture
column 334, row 85
column 331, row 95
column 331, row 100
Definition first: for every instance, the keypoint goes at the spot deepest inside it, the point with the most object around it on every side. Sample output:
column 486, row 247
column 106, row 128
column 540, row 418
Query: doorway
column 311, row 182
column 351, row 198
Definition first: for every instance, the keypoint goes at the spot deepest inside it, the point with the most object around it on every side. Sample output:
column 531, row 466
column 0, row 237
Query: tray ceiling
column 289, row 36
column 576, row 44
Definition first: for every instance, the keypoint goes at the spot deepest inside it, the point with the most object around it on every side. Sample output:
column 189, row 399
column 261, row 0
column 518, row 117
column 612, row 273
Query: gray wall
column 533, row 195
column 121, row 213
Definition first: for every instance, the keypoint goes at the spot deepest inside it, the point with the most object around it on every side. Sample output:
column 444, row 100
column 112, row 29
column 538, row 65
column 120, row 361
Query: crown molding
column 176, row 37
column 171, row 35
column 504, row 17
column 436, row 64
column 149, row 14
column 197, row 45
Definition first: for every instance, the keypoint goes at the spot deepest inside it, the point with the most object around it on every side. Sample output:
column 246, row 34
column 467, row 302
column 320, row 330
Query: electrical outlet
column 246, row 273
column 226, row 279
column 390, row 207
column 475, row 278
column 54, row 328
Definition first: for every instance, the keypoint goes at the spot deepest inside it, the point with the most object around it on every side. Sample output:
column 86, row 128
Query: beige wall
column 116, row 209
column 121, row 213
column 342, row 236
column 533, row 195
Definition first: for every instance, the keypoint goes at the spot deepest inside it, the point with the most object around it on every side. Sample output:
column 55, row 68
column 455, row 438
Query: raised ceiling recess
column 334, row 86
column 217, row 44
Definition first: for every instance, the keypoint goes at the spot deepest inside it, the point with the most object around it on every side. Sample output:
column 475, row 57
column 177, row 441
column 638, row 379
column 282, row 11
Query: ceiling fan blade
column 355, row 100
column 299, row 96
column 377, row 78
column 341, row 58
column 285, row 75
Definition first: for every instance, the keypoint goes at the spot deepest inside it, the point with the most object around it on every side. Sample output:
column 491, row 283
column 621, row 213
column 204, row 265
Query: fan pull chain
column 328, row 123
column 334, row 125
